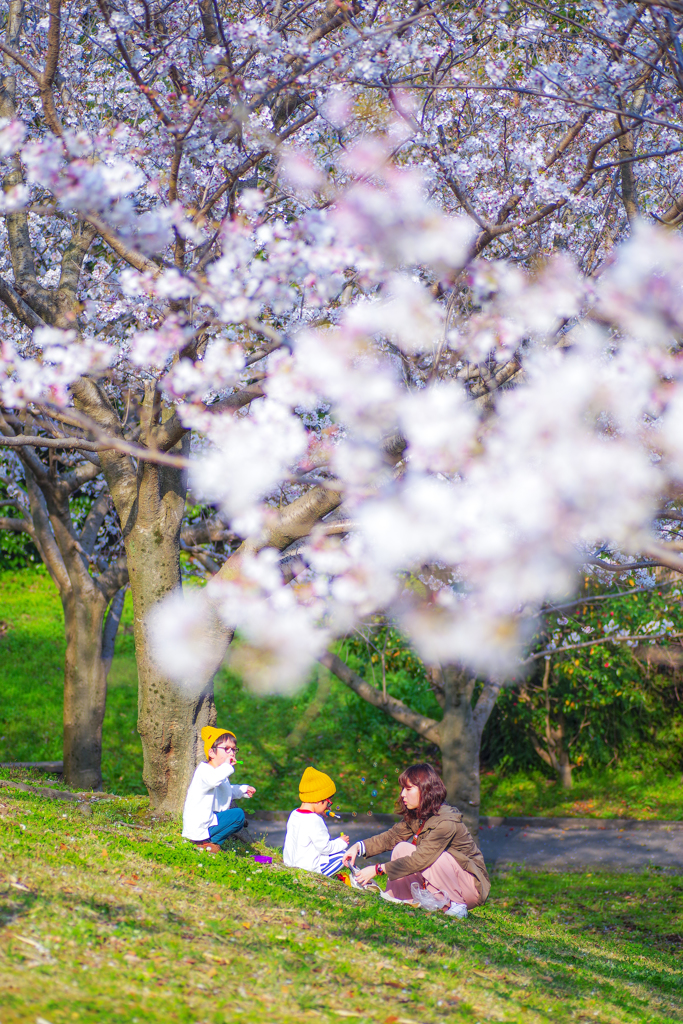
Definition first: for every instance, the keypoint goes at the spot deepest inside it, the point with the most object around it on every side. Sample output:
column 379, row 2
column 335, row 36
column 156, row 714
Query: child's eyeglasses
column 235, row 750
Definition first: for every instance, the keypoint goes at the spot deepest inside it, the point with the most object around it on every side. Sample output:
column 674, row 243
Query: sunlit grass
column 614, row 793
column 104, row 921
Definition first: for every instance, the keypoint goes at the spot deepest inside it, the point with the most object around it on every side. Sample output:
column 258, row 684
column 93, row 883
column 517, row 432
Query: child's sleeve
column 338, row 845
column 208, row 777
column 324, row 845
column 239, row 791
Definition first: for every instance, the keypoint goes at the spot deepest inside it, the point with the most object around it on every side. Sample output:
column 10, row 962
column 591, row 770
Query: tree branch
column 94, row 520
column 15, row 525
column 425, row 727
column 16, row 305
column 596, row 642
column 485, row 705
column 114, row 578
column 107, row 444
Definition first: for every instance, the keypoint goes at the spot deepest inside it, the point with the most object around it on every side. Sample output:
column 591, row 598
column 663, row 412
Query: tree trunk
column 170, row 717
column 564, row 769
column 111, row 628
column 460, row 743
column 458, row 734
column 555, row 752
column 85, row 688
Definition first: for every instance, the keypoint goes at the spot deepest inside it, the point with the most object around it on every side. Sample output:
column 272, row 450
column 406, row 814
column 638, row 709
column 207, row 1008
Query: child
column 208, row 819
column 307, row 843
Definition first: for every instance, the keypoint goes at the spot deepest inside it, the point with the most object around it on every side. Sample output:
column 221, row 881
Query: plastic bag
column 427, row 900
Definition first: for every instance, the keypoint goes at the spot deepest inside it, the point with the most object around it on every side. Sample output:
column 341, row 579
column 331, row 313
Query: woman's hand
column 350, row 855
column 250, row 790
column 366, row 875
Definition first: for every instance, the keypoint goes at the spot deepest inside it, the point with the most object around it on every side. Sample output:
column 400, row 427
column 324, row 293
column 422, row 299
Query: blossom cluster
column 382, row 262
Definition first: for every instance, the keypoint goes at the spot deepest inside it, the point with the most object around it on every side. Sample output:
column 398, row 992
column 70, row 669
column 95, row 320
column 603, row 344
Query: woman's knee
column 402, row 850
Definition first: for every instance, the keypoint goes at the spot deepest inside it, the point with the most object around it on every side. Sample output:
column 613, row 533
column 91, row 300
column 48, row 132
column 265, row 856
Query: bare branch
column 425, row 727
column 105, row 445
column 16, row 305
column 15, row 525
column 611, row 639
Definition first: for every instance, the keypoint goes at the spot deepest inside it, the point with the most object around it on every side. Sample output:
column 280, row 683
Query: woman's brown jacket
column 444, row 831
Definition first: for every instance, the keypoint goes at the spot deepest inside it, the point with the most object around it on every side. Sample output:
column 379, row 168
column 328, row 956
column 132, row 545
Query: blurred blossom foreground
column 420, row 350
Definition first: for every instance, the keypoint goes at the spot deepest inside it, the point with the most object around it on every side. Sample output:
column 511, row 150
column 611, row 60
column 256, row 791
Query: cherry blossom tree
column 380, row 282
column 82, row 551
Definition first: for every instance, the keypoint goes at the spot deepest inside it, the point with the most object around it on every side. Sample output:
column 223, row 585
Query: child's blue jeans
column 228, row 823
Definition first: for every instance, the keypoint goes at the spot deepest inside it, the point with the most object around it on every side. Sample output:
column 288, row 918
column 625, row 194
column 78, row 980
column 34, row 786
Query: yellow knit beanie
column 209, row 736
column 315, row 786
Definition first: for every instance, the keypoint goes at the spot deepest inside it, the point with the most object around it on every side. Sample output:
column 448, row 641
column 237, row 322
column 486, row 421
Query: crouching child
column 308, row 844
column 208, row 818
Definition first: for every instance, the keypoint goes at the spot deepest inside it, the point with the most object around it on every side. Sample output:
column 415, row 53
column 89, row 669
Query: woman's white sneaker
column 456, row 910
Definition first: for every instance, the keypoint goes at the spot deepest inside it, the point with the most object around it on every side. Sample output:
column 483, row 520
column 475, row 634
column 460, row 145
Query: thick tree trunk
column 85, row 688
column 565, row 770
column 170, row 717
column 460, row 743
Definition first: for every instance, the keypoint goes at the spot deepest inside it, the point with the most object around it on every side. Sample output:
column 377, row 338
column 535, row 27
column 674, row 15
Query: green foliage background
column 324, row 724
column 619, row 709
column 17, row 550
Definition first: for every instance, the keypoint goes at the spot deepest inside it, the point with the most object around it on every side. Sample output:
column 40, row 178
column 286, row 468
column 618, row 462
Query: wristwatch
column 379, row 869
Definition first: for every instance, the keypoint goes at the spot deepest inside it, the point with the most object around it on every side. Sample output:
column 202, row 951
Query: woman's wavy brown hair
column 432, row 792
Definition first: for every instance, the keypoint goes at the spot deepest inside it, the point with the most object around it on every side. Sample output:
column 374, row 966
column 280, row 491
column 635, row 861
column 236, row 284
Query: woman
column 434, row 858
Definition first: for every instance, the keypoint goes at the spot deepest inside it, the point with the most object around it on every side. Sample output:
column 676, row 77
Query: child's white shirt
column 208, row 793
column 308, row 843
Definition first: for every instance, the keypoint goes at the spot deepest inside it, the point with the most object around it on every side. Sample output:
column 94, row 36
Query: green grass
column 113, row 918
column 617, row 793
column 325, row 724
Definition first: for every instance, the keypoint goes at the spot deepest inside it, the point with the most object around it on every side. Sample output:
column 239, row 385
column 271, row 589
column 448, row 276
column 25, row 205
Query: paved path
column 564, row 844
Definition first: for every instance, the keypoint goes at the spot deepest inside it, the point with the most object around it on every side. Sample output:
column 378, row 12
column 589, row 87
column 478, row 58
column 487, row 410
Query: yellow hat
column 315, row 786
column 209, row 736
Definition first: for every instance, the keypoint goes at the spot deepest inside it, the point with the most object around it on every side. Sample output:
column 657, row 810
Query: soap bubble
column 369, row 814
column 353, row 814
column 374, row 792
column 362, row 779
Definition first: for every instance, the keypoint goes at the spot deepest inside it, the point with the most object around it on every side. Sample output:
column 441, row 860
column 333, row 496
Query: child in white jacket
column 208, row 818
column 308, row 844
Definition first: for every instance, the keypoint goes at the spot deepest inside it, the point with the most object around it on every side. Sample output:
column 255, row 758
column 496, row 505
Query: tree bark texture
column 460, row 743
column 170, row 717
column 85, row 687
column 150, row 502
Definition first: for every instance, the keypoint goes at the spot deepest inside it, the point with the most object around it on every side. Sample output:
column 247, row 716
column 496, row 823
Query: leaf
column 216, row 959
column 31, row 942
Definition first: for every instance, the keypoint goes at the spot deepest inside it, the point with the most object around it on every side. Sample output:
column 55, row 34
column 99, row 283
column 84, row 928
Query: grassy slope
column 105, row 921
column 278, row 736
